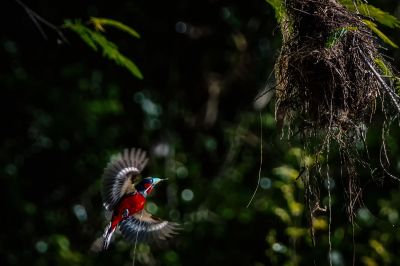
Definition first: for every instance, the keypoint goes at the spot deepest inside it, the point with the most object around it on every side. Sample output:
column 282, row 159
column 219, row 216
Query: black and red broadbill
column 125, row 201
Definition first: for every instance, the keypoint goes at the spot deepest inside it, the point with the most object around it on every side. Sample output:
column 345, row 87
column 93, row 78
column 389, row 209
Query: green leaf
column 387, row 72
column 96, row 40
column 383, row 67
column 279, row 9
column 380, row 34
column 337, row 35
column 371, row 11
column 100, row 22
column 81, row 31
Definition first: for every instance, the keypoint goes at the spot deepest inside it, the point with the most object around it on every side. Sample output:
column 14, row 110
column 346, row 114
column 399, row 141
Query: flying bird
column 126, row 201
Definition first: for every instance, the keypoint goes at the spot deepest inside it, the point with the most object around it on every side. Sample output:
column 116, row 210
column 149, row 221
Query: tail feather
column 102, row 243
column 108, row 233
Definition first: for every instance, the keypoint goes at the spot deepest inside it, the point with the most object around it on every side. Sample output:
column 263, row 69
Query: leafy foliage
column 337, row 35
column 379, row 33
column 96, row 41
column 279, row 9
column 371, row 11
column 99, row 24
column 376, row 14
column 367, row 10
column 388, row 73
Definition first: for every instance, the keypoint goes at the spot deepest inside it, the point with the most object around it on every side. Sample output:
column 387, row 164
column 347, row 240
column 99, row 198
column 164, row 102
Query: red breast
column 132, row 202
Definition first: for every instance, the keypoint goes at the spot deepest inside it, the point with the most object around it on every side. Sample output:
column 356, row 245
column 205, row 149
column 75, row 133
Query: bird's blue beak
column 157, row 180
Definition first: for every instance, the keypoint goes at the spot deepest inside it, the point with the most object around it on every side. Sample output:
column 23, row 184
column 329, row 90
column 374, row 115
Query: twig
column 136, row 239
column 393, row 96
column 261, row 160
column 36, row 18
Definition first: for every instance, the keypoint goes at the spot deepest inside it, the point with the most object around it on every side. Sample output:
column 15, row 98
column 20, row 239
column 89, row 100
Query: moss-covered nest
column 329, row 85
column 323, row 77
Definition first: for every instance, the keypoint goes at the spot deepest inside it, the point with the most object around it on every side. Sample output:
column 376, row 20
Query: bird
column 125, row 201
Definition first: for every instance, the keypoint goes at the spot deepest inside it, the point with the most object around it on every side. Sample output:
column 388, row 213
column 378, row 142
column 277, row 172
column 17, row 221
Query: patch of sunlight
column 282, row 214
column 296, row 208
column 286, row 171
column 369, row 261
column 296, row 232
column 379, row 249
column 278, row 247
column 319, row 223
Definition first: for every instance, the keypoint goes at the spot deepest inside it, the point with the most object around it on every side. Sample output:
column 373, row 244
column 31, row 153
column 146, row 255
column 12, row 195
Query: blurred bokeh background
column 65, row 109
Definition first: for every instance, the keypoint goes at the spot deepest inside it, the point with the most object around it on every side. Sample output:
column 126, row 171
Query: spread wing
column 119, row 174
column 144, row 227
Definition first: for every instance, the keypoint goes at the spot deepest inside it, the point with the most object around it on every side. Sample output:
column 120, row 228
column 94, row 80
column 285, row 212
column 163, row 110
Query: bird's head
column 145, row 187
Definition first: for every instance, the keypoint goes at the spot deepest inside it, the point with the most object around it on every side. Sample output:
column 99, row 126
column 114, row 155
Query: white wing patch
column 117, row 174
column 126, row 171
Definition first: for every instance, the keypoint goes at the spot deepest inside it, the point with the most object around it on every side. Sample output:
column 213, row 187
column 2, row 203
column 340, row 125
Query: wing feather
column 118, row 175
column 146, row 228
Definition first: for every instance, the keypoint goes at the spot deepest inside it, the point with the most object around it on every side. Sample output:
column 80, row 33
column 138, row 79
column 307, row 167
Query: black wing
column 120, row 173
column 144, row 227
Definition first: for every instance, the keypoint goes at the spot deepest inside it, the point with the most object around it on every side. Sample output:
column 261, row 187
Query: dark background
column 65, row 109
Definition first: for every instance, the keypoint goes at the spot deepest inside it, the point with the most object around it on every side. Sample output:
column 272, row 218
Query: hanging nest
column 322, row 75
column 328, row 85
